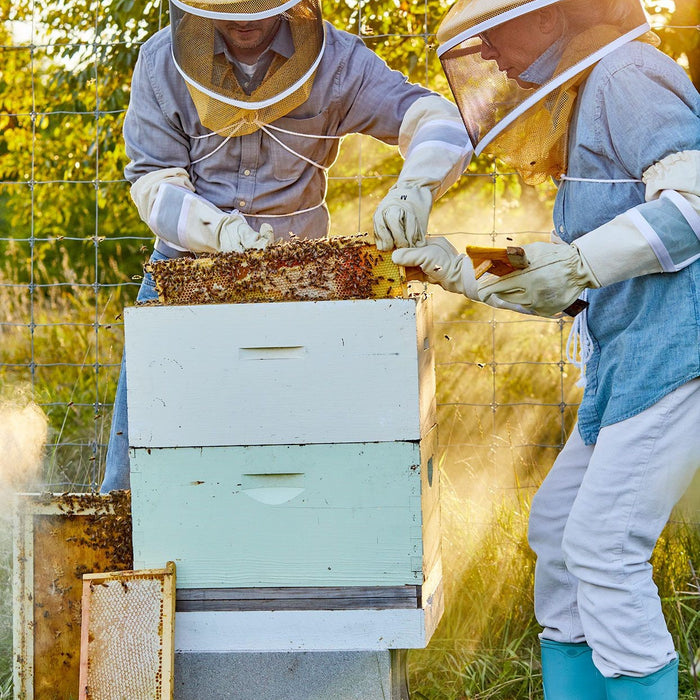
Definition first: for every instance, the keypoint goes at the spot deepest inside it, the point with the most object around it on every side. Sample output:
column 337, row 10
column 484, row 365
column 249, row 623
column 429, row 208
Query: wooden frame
column 299, row 598
column 91, row 521
column 124, row 600
column 292, row 630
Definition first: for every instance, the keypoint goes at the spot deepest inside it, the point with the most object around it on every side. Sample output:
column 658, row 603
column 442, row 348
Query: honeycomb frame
column 343, row 267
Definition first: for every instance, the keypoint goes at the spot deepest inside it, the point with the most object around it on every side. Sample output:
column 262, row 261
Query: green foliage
column 486, row 646
column 62, row 102
column 678, row 24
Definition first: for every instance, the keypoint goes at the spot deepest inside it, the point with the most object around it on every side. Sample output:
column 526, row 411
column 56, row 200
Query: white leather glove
column 626, row 247
column 401, row 219
column 437, row 151
column 443, row 265
column 553, row 280
column 166, row 201
column 205, row 229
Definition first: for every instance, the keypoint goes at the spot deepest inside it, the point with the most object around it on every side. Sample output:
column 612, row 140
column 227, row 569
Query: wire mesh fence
column 73, row 245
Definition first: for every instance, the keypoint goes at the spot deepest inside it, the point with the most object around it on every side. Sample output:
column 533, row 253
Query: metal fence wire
column 72, row 244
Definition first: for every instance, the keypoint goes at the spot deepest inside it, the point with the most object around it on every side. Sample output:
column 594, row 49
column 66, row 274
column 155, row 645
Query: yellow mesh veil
column 221, row 102
column 525, row 124
column 536, row 144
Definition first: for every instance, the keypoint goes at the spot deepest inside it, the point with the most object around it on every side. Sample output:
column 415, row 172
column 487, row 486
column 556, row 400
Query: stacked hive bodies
column 282, row 455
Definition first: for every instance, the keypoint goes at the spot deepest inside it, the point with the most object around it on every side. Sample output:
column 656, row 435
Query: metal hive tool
column 345, row 267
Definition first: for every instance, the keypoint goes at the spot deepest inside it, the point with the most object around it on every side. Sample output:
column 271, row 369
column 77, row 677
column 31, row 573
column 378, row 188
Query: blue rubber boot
column 662, row 685
column 568, row 672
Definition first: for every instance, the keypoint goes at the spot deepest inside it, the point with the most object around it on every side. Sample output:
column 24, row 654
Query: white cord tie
column 264, row 127
column 283, row 216
column 592, row 179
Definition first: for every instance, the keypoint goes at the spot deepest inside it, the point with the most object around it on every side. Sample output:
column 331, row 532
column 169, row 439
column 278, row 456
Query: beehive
column 314, row 515
column 283, row 455
column 345, row 267
column 279, row 374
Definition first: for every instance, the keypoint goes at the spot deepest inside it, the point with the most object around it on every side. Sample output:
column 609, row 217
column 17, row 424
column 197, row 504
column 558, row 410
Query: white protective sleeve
column 166, row 201
column 629, row 246
column 435, row 145
column 436, row 150
column 145, row 190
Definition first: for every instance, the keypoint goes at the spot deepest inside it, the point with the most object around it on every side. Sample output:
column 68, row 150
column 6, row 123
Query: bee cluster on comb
column 344, row 267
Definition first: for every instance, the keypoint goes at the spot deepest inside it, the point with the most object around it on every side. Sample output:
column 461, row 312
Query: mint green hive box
column 283, row 456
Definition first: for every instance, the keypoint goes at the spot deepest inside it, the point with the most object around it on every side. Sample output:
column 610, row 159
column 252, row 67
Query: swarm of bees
column 344, row 267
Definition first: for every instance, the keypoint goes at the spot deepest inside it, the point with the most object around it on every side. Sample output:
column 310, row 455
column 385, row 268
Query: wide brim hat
column 468, row 18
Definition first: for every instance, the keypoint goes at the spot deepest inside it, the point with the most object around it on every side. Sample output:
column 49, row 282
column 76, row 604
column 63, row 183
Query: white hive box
column 279, row 373
column 297, row 515
column 282, row 455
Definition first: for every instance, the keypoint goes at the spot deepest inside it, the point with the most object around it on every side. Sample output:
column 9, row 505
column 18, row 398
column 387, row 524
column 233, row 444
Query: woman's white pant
column 594, row 523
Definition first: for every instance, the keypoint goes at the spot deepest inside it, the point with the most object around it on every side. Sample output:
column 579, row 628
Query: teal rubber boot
column 662, row 685
column 568, row 672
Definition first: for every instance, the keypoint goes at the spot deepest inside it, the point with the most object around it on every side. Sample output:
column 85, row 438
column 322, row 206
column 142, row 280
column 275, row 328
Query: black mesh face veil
column 523, row 115
column 246, row 63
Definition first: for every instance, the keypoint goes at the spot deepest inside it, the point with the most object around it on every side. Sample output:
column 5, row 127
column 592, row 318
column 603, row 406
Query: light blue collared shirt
column 636, row 107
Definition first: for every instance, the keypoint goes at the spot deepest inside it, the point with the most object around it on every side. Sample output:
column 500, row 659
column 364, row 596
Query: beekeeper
column 577, row 91
column 237, row 112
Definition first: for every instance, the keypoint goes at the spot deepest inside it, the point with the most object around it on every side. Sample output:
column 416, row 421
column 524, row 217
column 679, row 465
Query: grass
column 5, row 611
column 63, row 344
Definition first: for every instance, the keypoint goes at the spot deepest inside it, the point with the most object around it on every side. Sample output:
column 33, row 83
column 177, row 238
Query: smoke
column 23, row 433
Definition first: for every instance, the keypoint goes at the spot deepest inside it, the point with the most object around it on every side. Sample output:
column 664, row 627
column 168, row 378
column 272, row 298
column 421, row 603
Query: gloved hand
column 203, row 228
column 401, row 219
column 235, row 235
column 442, row 265
column 436, row 150
column 167, row 203
column 554, row 279
column 557, row 274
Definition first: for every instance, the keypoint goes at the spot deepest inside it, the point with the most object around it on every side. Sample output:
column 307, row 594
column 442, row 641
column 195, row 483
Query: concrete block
column 376, row 675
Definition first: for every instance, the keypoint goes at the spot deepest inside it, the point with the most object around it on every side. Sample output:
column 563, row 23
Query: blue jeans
column 117, row 466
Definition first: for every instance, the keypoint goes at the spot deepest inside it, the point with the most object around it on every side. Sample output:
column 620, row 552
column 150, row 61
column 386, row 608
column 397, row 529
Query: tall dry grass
column 494, row 457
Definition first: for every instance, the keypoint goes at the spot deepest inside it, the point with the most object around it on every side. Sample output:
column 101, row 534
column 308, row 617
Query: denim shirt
column 354, row 91
column 636, row 107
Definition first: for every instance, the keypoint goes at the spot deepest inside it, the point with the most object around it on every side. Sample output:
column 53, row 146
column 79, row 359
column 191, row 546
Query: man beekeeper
column 237, row 111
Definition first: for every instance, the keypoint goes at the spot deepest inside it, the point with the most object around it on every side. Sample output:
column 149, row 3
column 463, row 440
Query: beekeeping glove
column 660, row 235
column 557, row 273
column 552, row 281
column 443, row 265
column 436, row 151
column 166, row 201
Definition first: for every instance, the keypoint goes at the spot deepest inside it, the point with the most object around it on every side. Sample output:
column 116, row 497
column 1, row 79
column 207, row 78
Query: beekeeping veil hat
column 204, row 50
column 524, row 119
